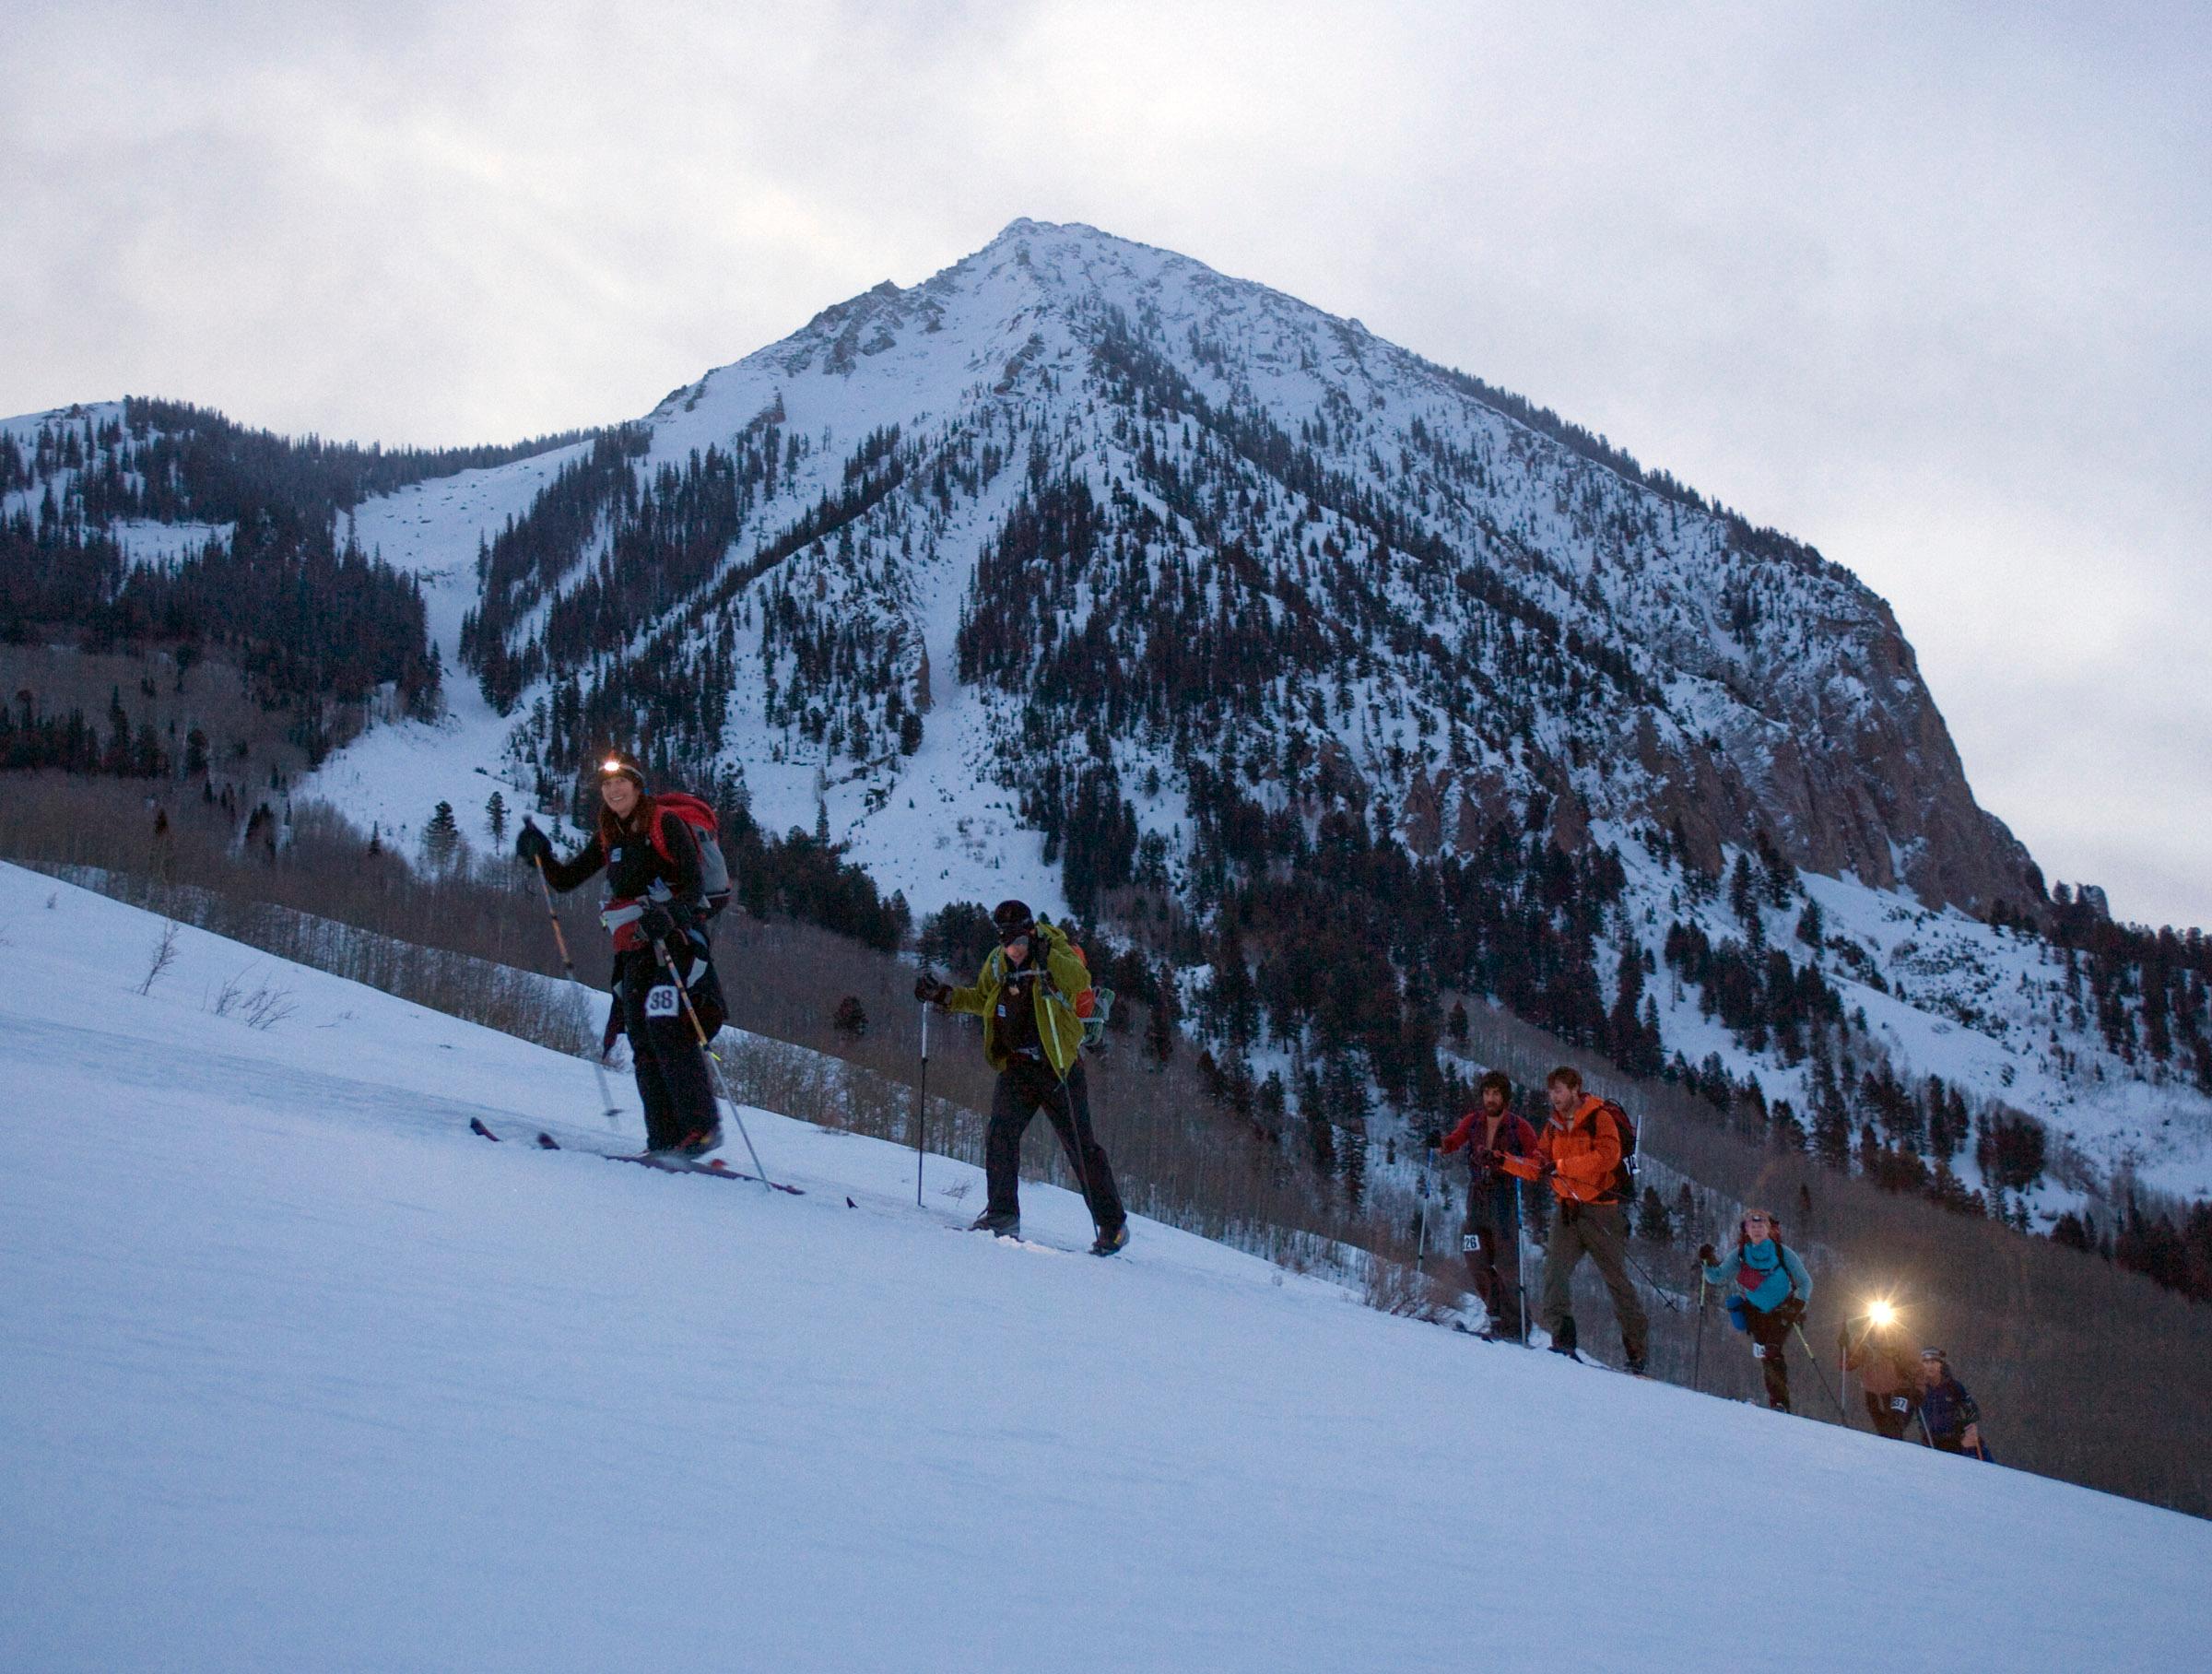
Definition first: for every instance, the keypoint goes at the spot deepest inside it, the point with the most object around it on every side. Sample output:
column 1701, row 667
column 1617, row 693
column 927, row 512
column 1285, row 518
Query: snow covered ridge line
column 997, row 359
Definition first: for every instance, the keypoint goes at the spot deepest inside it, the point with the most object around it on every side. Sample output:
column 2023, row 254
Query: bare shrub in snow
column 267, row 1008
column 164, row 956
column 1398, row 1287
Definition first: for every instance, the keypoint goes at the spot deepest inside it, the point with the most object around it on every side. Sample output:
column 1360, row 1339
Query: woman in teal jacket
column 1768, row 1289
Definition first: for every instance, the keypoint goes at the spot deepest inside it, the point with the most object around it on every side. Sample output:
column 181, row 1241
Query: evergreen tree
column 441, row 837
column 1743, row 892
column 1811, row 928
column 495, row 817
column 1160, row 1027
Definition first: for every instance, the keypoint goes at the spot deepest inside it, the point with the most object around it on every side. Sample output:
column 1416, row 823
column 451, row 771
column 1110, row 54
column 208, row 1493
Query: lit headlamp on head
column 618, row 766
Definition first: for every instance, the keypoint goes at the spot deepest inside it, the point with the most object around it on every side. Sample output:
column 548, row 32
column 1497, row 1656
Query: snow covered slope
column 302, row 1375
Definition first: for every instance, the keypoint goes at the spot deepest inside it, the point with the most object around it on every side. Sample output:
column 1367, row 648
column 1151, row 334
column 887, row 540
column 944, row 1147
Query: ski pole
column 583, row 1024
column 1697, row 1358
column 1075, row 1144
column 922, row 1107
column 1520, row 1259
column 1798, row 1327
column 1420, row 1236
column 721, row 1080
column 1843, row 1372
column 1648, row 1279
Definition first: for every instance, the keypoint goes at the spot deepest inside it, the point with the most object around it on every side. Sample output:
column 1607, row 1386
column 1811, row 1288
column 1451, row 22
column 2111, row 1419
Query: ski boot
column 1111, row 1239
column 698, row 1142
column 999, row 1223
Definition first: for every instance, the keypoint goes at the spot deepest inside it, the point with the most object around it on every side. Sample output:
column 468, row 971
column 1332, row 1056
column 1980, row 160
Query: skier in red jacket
column 1490, row 1237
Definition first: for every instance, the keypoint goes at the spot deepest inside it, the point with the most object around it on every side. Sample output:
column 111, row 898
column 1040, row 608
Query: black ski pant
column 671, row 1070
column 1889, row 1418
column 1599, row 1230
column 1491, row 1240
column 1769, row 1342
column 1025, row 1087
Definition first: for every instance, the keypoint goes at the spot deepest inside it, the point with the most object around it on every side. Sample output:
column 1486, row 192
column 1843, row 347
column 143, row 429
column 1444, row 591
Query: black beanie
column 619, row 763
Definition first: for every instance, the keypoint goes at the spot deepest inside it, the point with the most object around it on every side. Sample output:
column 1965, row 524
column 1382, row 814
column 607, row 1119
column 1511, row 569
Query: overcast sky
column 1925, row 285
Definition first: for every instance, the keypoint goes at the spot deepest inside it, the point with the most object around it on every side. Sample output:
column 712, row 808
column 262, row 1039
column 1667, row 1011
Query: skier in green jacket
column 1027, row 993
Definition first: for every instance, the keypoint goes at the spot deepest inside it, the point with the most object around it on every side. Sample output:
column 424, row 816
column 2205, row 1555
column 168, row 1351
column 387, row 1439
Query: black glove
column 930, row 991
column 1433, row 1139
column 1708, row 1255
column 531, row 846
column 656, row 921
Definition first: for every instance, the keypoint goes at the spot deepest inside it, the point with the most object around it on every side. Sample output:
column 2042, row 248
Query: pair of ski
column 714, row 1168
column 1522, row 1342
column 668, row 1163
column 1486, row 1336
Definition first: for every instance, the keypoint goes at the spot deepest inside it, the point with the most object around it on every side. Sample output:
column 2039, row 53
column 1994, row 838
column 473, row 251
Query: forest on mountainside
column 270, row 579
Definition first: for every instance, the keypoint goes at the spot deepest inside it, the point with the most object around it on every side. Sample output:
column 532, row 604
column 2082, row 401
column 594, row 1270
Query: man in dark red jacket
column 1491, row 1236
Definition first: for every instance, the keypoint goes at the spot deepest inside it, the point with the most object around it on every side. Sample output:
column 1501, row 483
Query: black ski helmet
column 1013, row 920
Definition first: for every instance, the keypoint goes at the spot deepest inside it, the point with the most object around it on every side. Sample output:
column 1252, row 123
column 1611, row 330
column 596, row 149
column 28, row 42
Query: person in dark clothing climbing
column 1491, row 1238
column 1028, row 994
column 1889, row 1370
column 655, row 908
column 1768, row 1288
column 1949, row 1416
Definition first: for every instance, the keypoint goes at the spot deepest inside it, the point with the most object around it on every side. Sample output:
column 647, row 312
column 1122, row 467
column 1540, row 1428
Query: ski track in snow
column 301, row 1374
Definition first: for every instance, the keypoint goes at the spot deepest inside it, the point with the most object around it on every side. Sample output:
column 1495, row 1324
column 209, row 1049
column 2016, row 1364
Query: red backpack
column 713, row 869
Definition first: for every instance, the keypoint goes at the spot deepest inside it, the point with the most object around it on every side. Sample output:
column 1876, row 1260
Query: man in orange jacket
column 1581, row 1153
